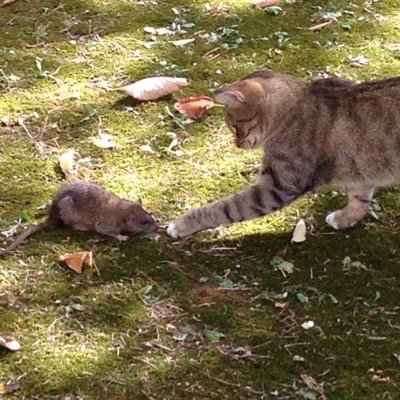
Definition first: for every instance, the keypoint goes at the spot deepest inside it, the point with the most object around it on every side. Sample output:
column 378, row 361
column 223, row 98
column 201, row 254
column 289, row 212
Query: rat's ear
column 138, row 202
column 229, row 97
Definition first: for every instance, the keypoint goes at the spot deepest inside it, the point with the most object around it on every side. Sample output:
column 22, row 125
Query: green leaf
column 24, row 216
column 281, row 265
column 273, row 10
column 145, row 290
column 334, row 300
column 302, row 298
column 307, row 395
column 213, row 336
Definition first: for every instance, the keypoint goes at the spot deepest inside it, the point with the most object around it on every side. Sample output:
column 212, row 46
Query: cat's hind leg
column 359, row 199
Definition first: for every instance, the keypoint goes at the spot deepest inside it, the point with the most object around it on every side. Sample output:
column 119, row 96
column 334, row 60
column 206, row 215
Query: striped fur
column 312, row 133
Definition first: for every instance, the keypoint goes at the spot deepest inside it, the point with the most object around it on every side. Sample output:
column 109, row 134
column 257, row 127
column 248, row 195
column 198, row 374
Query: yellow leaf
column 67, row 162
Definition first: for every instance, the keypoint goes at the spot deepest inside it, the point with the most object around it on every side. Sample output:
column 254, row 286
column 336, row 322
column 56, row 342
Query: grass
column 156, row 322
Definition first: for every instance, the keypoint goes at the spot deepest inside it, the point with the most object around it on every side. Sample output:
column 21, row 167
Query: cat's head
column 243, row 113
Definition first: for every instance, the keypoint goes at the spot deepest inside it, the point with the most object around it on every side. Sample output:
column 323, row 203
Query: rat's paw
column 172, row 230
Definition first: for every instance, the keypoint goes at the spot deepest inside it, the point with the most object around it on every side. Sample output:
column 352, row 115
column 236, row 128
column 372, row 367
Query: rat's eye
column 147, row 221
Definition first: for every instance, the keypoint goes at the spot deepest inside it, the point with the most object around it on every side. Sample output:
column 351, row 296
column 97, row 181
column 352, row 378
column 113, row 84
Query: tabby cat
column 313, row 133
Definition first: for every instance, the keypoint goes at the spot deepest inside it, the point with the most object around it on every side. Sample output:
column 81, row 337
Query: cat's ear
column 230, row 97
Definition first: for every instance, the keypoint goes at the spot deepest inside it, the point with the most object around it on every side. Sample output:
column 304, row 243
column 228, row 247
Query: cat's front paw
column 172, row 231
column 178, row 229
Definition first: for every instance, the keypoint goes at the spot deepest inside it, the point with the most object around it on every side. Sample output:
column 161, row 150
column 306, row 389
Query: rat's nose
column 150, row 224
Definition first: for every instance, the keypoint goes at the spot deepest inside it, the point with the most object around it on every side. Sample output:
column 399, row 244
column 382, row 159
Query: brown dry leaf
column 194, row 106
column 76, row 261
column 154, row 88
column 265, row 3
column 281, row 305
column 7, row 388
column 9, row 344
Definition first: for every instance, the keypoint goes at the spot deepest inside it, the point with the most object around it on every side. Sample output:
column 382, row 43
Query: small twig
column 175, row 266
column 238, row 385
column 320, row 26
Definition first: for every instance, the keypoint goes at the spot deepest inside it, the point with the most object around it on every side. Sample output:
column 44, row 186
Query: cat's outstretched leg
column 269, row 194
column 360, row 197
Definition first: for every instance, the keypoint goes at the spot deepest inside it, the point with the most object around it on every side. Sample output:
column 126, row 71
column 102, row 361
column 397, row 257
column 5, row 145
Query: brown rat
column 86, row 206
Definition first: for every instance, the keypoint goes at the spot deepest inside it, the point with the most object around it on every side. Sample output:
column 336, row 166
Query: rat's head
column 138, row 220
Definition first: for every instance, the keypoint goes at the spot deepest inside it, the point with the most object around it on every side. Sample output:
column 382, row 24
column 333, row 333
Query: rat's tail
column 21, row 237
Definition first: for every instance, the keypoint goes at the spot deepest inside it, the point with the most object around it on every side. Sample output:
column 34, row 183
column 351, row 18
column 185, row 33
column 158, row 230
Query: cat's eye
column 234, row 129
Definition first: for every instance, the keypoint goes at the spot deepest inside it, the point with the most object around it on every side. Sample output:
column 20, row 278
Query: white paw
column 122, row 238
column 330, row 220
column 172, row 230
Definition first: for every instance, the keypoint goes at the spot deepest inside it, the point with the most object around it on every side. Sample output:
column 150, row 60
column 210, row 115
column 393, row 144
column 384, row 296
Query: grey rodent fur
column 86, row 206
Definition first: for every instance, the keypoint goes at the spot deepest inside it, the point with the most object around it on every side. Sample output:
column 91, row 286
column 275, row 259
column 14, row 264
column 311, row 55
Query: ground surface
column 209, row 318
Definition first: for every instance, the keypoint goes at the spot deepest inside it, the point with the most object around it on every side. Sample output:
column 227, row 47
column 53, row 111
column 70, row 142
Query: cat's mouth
column 247, row 144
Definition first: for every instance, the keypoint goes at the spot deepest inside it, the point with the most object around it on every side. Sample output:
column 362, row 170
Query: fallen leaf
column 359, row 61
column 182, row 42
column 7, row 388
column 9, row 344
column 299, row 233
column 67, row 163
column 194, row 106
column 7, row 2
column 155, row 87
column 213, row 336
column 280, row 264
column 147, row 149
column 280, row 304
column 265, row 3
column 308, row 325
column 76, row 261
column 302, row 298
column 104, row 141
column 158, row 31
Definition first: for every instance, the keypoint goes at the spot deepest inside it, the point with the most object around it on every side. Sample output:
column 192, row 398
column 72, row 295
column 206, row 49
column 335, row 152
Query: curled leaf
column 104, row 141
column 308, row 324
column 76, row 261
column 299, row 233
column 265, row 3
column 9, row 344
column 155, row 87
column 7, row 2
column 194, row 106
column 67, row 163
